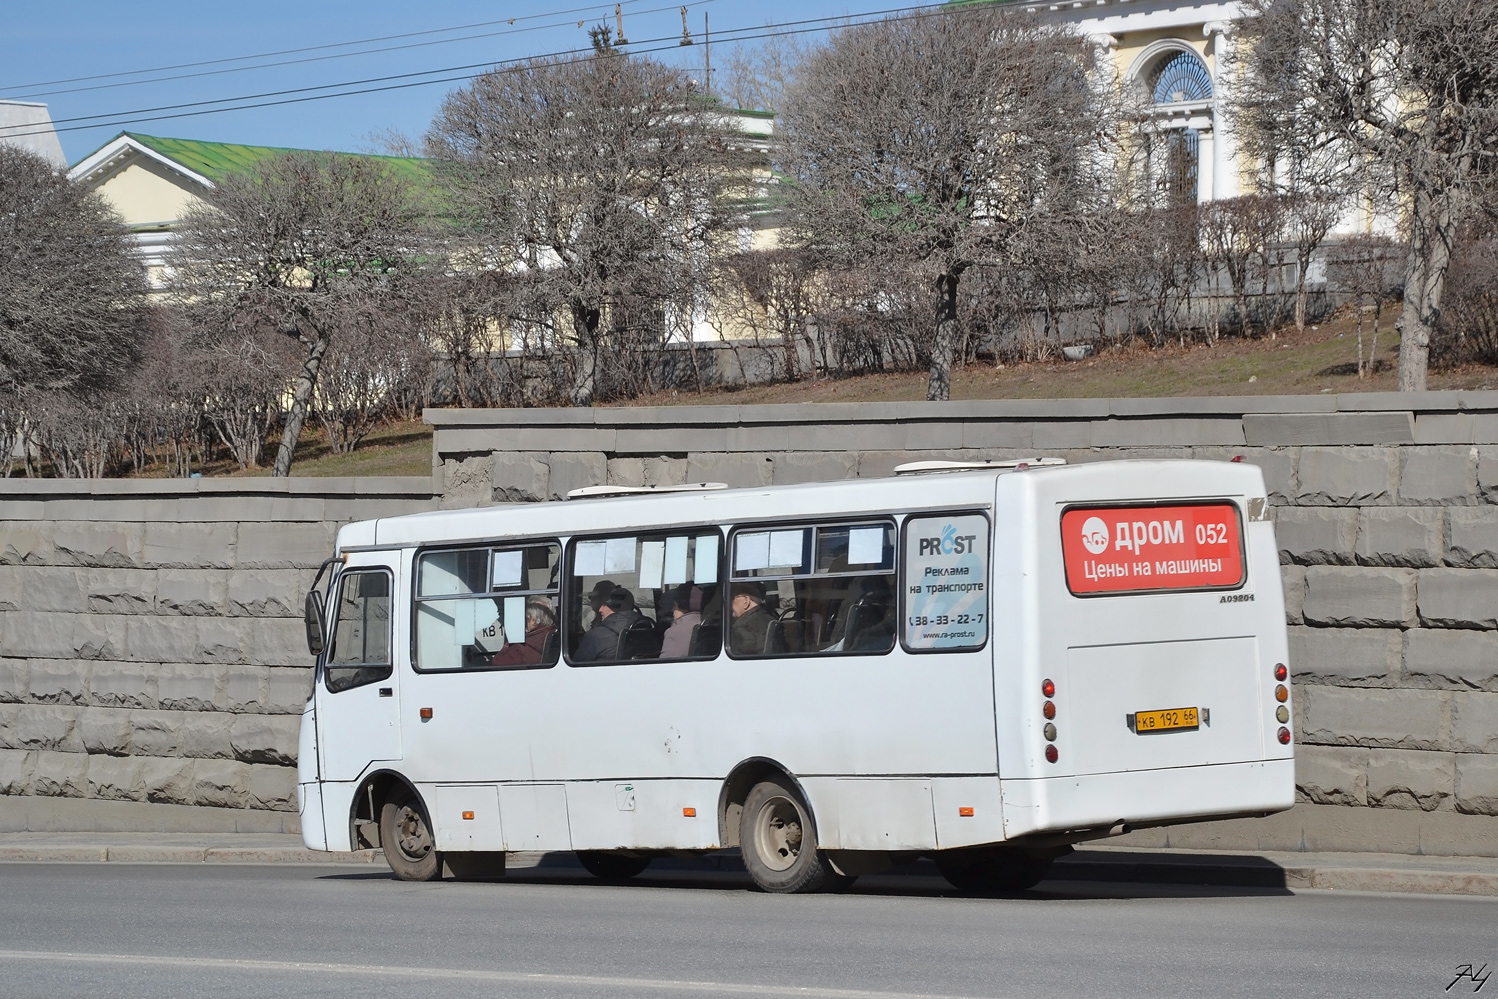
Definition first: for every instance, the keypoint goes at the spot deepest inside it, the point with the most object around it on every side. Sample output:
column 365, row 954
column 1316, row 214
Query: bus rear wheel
column 779, row 842
column 406, row 839
column 992, row 870
column 611, row 866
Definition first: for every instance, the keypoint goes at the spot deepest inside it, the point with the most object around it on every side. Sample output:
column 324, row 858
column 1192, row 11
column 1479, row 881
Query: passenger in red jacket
column 540, row 623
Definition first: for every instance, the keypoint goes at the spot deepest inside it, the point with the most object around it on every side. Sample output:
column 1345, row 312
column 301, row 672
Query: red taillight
column 1049, row 709
column 1280, row 672
column 1048, row 688
column 1284, row 736
column 1051, row 755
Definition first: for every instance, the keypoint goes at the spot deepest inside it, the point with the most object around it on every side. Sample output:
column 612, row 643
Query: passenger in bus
column 615, row 615
column 686, row 611
column 540, row 623
column 751, row 622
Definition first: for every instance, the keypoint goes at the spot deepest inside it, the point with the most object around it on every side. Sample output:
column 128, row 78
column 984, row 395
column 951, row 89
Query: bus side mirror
column 316, row 623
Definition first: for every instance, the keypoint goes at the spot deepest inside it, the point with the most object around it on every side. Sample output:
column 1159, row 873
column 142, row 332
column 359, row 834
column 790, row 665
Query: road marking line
column 511, row 977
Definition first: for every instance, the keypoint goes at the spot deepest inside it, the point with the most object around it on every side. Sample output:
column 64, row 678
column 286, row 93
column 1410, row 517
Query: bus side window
column 644, row 597
column 361, row 631
column 488, row 608
column 819, row 589
column 946, row 582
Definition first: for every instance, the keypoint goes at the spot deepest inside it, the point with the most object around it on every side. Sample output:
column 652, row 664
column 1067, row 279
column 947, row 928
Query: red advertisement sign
column 1130, row 549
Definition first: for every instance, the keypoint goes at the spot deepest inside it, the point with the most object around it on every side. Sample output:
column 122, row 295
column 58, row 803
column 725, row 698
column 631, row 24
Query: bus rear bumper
column 1087, row 803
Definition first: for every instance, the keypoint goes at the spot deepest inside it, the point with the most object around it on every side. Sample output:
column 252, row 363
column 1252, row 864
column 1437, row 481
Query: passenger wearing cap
column 616, row 612
column 686, row 608
column 751, row 622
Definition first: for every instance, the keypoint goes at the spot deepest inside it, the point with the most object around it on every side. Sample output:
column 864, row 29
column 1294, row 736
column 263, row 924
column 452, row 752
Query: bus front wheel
column 407, row 841
column 779, row 842
column 992, row 870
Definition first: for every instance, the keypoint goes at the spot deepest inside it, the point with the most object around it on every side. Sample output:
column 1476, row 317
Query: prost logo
column 950, row 543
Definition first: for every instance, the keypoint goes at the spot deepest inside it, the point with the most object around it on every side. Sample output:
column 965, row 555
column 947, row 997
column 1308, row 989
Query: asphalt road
column 159, row 930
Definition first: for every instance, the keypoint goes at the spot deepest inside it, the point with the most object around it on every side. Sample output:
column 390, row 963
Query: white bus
column 983, row 664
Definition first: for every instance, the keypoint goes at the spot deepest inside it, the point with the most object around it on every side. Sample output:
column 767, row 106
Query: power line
column 295, row 51
column 664, row 44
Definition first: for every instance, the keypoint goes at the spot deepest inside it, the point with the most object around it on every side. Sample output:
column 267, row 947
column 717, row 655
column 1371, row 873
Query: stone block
column 204, row 735
column 1278, row 466
column 1445, row 476
column 115, row 778
column 243, row 689
column 272, row 788
column 626, row 471
column 1316, row 536
column 266, row 593
column 222, row 640
column 665, row 471
column 220, row 783
column 190, row 545
column 16, row 770
column 466, row 481
column 284, row 546
column 100, row 636
column 23, row 543
column 1487, row 476
column 1401, row 536
column 168, row 781
column 1477, row 784
column 155, row 733
column 1385, row 719
column 1474, row 537
column 575, row 470
column 1465, row 659
column 1402, row 778
column 44, row 588
column 265, row 739
column 105, row 731
column 187, row 687
column 826, row 466
column 8, row 715
column 91, row 544
column 1293, row 581
column 37, row 635
column 1459, row 598
column 48, row 727
column 122, row 685
column 59, row 681
column 1475, row 724
column 1345, row 653
column 15, row 679
column 276, row 642
column 191, row 592
column 1332, row 775
column 60, row 775
column 516, row 477
column 1347, row 476
column 288, row 690
column 161, row 639
column 1359, row 597
column 747, row 470
column 118, row 591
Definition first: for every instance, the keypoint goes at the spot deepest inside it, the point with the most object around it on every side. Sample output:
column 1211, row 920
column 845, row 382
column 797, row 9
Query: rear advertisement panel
column 1141, row 549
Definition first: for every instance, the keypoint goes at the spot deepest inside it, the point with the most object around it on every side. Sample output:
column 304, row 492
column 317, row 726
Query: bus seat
column 639, row 641
column 552, row 648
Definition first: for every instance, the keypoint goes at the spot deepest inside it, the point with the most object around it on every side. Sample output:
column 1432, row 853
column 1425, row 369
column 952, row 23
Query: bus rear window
column 1142, row 549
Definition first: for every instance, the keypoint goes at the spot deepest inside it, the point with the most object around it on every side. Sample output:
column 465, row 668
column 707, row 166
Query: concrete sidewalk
column 1380, row 872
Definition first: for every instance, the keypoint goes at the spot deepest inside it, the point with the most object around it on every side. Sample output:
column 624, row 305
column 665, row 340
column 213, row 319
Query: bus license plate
column 1168, row 720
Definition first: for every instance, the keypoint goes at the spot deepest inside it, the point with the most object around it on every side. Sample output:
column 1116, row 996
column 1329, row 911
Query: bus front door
column 358, row 699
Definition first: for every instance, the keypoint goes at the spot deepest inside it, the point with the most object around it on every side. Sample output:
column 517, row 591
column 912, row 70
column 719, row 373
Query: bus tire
column 607, row 866
column 778, row 837
column 406, row 838
column 992, row 870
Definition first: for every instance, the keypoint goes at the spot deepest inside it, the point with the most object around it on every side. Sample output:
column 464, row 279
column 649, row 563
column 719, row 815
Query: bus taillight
column 1284, row 736
column 1048, row 688
column 1280, row 672
column 1050, row 754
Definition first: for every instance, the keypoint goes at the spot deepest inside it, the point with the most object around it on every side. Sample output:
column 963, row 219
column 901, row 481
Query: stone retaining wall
column 1386, row 509
column 151, row 641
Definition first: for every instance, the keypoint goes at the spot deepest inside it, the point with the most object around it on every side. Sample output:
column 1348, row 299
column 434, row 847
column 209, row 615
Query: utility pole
column 707, row 57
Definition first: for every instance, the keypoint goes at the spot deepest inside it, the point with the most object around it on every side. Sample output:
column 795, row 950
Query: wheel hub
column 778, row 833
column 411, row 833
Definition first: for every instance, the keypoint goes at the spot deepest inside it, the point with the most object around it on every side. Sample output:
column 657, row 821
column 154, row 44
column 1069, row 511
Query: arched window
column 1180, row 78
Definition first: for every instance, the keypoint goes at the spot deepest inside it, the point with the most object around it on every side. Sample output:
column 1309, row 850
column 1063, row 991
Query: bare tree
column 71, row 296
column 1310, row 218
column 600, row 186
column 756, row 76
column 937, row 140
column 1400, row 94
column 310, row 247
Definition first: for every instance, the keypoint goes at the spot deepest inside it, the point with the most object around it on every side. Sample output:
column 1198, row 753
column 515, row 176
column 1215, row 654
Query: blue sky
column 61, row 40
